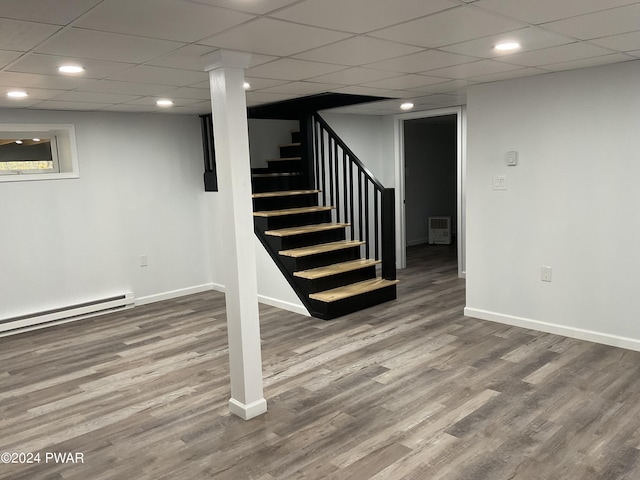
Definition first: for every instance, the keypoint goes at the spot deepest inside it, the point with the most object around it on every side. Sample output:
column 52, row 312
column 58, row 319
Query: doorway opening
column 430, row 180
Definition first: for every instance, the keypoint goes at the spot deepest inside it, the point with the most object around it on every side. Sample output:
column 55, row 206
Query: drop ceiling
column 427, row 52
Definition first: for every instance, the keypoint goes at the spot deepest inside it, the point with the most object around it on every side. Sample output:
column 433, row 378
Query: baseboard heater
column 66, row 314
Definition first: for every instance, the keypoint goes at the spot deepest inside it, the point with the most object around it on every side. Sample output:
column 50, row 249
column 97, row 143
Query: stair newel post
column 388, row 234
column 307, row 151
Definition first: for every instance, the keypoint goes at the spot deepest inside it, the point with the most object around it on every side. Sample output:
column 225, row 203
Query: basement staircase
column 334, row 266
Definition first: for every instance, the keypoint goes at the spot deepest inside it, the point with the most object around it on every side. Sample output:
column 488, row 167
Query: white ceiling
column 424, row 51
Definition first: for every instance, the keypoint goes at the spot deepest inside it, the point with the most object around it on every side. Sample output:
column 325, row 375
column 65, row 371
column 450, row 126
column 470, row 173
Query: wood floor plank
column 408, row 390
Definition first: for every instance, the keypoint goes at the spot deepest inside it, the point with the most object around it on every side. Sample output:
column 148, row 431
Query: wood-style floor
column 406, row 390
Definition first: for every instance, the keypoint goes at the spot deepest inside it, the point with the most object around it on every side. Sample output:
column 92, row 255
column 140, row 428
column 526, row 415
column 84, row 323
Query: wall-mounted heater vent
column 440, row 230
column 66, row 314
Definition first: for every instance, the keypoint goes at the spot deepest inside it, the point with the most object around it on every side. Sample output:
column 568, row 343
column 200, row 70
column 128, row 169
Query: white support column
column 231, row 136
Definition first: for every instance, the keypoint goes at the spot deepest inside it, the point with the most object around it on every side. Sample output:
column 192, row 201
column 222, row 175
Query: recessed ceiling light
column 70, row 69
column 17, row 94
column 164, row 103
column 246, row 85
column 507, row 46
column 406, row 106
column 19, row 142
column 36, row 139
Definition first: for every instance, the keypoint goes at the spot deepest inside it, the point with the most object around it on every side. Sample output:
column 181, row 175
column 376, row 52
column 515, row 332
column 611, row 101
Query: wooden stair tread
column 335, row 269
column 294, row 144
column 290, row 211
column 277, row 174
column 320, row 227
column 352, row 290
column 285, row 193
column 320, row 248
column 284, row 159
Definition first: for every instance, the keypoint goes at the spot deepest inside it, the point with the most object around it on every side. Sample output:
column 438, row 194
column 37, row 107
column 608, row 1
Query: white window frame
column 63, row 151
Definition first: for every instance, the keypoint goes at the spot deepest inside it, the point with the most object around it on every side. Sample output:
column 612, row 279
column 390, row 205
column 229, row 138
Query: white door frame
column 461, row 131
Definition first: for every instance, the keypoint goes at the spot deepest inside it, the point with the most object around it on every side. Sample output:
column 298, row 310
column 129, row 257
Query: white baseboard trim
column 274, row 302
column 291, row 307
column 158, row 297
column 247, row 412
column 572, row 332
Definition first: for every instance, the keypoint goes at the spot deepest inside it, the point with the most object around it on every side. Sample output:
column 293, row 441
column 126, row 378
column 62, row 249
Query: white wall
column 370, row 137
column 139, row 192
column 571, row 203
column 265, row 136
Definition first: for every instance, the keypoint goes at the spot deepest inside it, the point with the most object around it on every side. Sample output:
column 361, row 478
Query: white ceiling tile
column 419, row 62
column 125, row 107
column 81, row 43
column 625, row 42
column 481, row 67
column 448, row 86
column 76, row 96
column 7, row 57
column 530, row 38
column 160, row 75
column 56, row 105
column 600, row 24
column 521, row 72
column 251, row 6
column 360, row 16
column 406, row 82
column 360, row 90
column 357, row 51
column 451, row 26
column 355, row 75
column 167, row 19
column 589, row 62
column 58, row 12
column 23, row 36
column 188, row 93
column 562, row 53
column 188, row 58
column 21, row 103
column 273, row 37
column 26, row 80
column 194, row 109
column 300, row 88
column 292, row 69
column 258, row 98
column 153, row 99
column 48, row 65
column 258, row 83
column 35, row 93
column 129, row 88
column 541, row 11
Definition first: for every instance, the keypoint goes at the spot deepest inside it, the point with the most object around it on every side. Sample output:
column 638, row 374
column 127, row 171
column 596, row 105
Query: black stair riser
column 321, row 259
column 285, row 166
column 327, row 311
column 288, row 151
column 277, row 184
column 286, row 221
column 335, row 281
column 305, row 240
column 281, row 203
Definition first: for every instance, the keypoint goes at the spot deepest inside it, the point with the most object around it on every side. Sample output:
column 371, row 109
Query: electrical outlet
column 546, row 274
column 143, row 260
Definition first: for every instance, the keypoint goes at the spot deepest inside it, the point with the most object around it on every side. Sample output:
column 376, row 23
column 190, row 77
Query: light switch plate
column 499, row 182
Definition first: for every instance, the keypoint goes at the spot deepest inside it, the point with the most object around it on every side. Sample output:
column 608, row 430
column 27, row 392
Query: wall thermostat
column 512, row 158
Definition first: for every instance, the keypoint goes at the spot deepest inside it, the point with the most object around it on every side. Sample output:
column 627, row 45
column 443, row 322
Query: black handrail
column 357, row 195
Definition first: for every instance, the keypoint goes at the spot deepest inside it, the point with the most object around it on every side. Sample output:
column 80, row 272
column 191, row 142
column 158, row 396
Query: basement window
column 37, row 152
